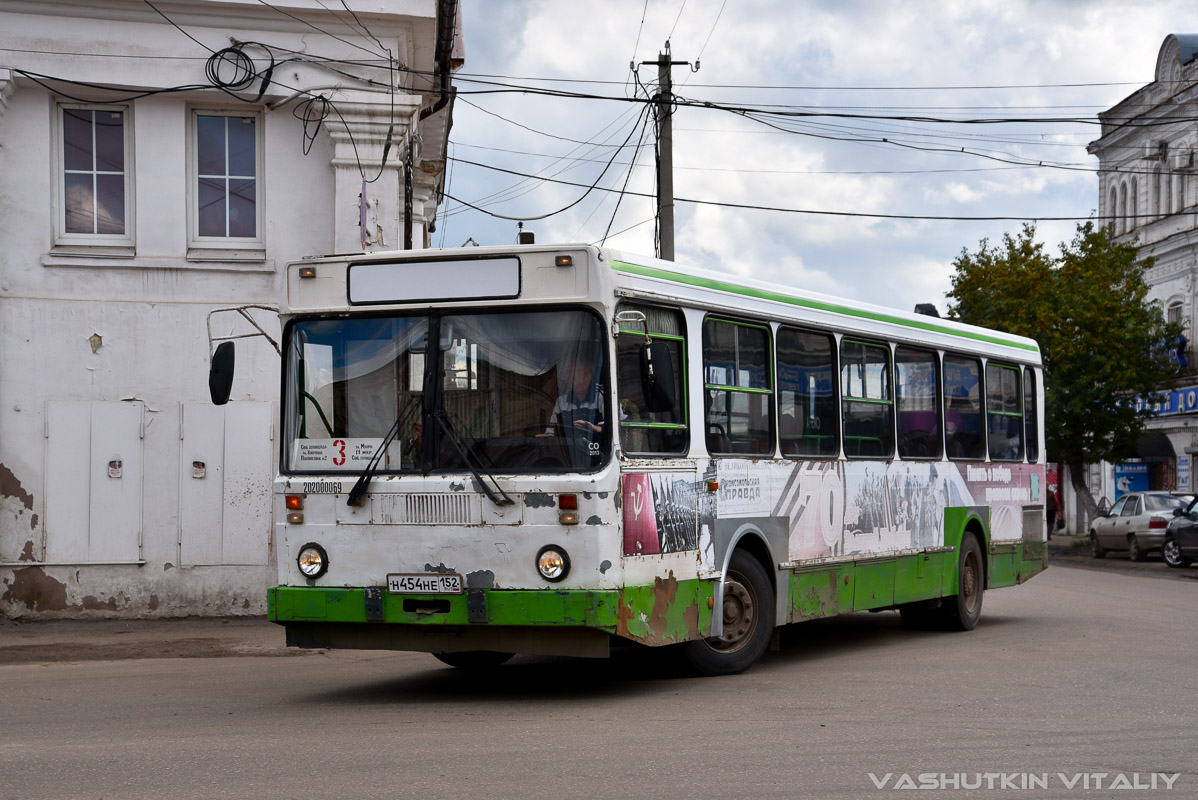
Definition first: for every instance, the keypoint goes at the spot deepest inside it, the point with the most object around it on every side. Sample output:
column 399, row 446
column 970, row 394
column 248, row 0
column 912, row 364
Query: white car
column 1136, row 523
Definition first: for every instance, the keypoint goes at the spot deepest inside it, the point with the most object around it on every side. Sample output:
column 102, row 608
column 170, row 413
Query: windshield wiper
column 359, row 490
column 463, row 451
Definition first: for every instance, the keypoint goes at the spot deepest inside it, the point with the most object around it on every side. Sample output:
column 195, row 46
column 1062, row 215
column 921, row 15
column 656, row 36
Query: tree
column 1101, row 341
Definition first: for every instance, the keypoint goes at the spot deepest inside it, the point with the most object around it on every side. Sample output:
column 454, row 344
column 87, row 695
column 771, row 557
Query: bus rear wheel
column 748, row 612
column 473, row 659
column 959, row 612
column 963, row 610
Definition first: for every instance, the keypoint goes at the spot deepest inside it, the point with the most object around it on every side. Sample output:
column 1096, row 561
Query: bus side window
column 642, row 430
column 1004, row 417
column 866, row 398
column 738, row 388
column 917, row 390
column 963, row 408
column 1030, row 415
column 807, row 424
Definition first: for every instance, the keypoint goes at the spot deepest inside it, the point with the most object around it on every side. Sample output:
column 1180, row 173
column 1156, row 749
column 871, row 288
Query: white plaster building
column 1148, row 190
column 135, row 199
column 1148, row 174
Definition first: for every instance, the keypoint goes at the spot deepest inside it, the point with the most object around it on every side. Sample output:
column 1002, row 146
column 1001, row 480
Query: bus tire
column 961, row 611
column 473, row 659
column 748, row 621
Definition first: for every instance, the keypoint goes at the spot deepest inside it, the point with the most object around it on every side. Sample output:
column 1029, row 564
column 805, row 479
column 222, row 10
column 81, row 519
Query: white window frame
column 95, row 244
column 1175, row 310
column 225, row 248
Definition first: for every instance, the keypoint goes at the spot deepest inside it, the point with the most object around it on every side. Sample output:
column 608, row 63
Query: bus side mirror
column 220, row 374
column 657, row 377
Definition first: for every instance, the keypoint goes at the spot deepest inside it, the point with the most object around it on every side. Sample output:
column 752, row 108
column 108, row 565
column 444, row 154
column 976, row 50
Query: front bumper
column 668, row 612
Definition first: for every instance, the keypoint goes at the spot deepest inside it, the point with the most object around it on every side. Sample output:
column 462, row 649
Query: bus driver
column 579, row 405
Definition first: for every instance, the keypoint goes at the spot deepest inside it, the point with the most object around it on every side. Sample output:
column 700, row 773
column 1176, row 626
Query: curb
column 46, row 641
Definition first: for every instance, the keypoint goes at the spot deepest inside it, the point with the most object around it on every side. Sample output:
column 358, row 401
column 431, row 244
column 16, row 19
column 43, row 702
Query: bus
column 544, row 449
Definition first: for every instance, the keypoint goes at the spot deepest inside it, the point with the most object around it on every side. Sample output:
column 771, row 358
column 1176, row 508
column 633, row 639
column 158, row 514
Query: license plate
column 424, row 583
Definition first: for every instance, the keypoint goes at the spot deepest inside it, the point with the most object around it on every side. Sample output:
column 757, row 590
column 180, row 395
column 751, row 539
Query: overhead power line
column 530, row 217
column 750, row 171
column 753, row 207
column 817, row 88
column 797, row 112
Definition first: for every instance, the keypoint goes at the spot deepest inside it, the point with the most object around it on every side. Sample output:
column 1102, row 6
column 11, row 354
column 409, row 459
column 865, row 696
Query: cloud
column 851, row 58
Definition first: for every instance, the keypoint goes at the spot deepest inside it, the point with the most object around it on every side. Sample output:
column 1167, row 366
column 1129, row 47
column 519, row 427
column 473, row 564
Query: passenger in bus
column 790, row 428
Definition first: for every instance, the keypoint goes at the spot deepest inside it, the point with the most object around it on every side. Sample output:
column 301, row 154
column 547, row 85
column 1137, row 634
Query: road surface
column 1076, row 674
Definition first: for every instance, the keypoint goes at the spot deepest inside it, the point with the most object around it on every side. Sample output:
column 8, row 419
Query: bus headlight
column 553, row 563
column 312, row 560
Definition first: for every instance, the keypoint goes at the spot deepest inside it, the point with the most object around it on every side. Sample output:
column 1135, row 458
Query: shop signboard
column 1130, row 478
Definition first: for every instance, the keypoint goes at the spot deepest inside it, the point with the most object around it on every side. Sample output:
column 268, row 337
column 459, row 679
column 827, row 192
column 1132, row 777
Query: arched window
column 1167, row 191
column 1173, row 311
column 1156, row 192
column 1112, row 211
column 1122, row 226
column 1134, row 204
column 1181, row 190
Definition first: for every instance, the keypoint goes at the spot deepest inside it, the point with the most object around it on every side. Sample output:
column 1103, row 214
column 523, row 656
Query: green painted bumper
column 1012, row 563
column 669, row 611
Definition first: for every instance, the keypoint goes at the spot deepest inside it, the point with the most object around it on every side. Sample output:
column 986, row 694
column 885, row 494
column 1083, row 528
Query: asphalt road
column 1076, row 674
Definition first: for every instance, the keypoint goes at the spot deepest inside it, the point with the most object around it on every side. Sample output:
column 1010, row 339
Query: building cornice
column 279, row 15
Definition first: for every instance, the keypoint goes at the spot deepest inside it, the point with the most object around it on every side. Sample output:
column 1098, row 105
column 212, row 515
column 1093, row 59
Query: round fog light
column 553, row 563
column 312, row 560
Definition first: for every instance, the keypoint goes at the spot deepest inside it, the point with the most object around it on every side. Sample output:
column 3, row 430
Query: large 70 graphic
column 821, row 506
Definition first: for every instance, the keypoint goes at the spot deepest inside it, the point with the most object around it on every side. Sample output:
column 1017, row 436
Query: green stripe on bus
column 719, row 387
column 667, row 336
column 763, row 294
column 663, row 426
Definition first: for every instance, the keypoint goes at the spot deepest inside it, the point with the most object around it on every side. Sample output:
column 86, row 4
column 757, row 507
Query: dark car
column 1180, row 547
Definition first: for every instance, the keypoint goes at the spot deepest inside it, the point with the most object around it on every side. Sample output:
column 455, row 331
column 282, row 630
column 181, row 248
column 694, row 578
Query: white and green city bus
column 539, row 449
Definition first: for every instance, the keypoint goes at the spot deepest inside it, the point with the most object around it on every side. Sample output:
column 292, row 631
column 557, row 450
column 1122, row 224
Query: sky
column 1052, row 63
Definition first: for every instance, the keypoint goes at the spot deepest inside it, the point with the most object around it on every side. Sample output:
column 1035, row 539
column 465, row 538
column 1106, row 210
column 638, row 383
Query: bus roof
column 699, row 287
column 653, row 274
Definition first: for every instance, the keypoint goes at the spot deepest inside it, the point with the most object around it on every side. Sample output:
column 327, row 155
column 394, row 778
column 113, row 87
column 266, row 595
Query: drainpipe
column 446, row 26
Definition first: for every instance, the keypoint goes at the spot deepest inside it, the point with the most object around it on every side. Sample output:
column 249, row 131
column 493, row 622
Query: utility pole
column 665, row 151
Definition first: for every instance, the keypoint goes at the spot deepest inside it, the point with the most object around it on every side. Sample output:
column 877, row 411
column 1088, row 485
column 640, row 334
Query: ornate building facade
column 1148, row 192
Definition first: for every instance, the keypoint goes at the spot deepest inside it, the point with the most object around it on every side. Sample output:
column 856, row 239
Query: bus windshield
column 504, row 392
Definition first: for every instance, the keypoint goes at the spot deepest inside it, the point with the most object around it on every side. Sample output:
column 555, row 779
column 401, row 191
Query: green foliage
column 1101, row 341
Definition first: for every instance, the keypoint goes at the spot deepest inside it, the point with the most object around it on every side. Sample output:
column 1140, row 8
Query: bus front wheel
column 748, row 612
column 473, row 659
